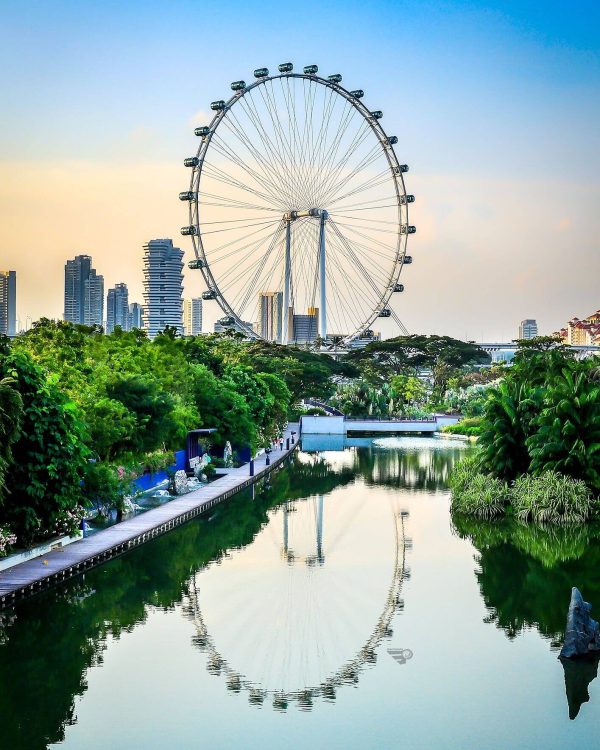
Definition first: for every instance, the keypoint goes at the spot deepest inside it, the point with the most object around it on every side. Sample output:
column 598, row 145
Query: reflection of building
column 93, row 299
column 192, row 316
column 117, row 308
column 528, row 329
column 8, row 303
column 270, row 306
column 305, row 327
column 163, row 286
column 135, row 316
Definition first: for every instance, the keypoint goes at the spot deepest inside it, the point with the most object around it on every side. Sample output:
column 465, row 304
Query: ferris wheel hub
column 317, row 213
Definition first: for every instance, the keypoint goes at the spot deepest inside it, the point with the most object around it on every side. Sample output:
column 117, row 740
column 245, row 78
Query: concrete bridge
column 340, row 425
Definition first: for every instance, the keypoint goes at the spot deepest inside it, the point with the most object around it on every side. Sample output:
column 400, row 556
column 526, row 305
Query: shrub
column 7, row 540
column 552, row 498
column 470, row 427
column 477, row 494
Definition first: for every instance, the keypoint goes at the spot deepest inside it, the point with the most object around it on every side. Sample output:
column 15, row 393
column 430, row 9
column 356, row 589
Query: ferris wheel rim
column 395, row 171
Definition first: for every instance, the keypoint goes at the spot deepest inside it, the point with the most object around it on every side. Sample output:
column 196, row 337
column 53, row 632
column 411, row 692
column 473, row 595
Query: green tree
column 48, row 457
column 11, row 413
column 567, row 436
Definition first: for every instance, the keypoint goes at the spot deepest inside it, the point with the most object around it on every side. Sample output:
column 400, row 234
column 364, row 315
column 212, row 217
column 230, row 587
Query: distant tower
column 135, row 316
column 76, row 273
column 8, row 303
column 163, row 286
column 305, row 327
column 528, row 329
column 93, row 299
column 117, row 308
column 192, row 316
column 270, row 308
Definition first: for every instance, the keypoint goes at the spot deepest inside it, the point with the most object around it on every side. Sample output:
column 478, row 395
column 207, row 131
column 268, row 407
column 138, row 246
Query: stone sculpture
column 582, row 635
column 181, row 482
column 228, row 455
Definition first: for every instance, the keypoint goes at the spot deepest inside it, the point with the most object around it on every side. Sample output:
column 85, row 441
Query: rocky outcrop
column 582, row 635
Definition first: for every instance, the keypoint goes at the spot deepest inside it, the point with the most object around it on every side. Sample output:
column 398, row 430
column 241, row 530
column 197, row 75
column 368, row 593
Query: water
column 337, row 608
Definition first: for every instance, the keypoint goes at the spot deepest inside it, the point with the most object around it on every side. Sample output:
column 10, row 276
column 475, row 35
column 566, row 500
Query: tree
column 567, row 438
column 48, row 456
column 11, row 413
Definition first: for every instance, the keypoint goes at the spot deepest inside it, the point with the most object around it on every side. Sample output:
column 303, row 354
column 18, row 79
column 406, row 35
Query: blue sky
column 485, row 98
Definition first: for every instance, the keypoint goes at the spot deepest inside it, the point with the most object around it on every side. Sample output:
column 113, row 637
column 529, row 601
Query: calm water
column 337, row 608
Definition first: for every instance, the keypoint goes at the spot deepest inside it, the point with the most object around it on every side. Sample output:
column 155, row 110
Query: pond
column 336, row 606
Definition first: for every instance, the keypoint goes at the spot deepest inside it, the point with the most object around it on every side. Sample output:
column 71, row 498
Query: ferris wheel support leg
column 287, row 271
column 322, row 279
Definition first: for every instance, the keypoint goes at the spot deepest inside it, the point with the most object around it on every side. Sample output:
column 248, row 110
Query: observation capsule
column 310, row 70
column 191, row 161
column 407, row 229
column 210, row 294
column 261, row 72
column 407, row 259
column 357, row 93
column 218, row 105
column 285, row 68
column 238, row 85
column 404, row 167
column 195, row 264
column 385, row 313
column 187, row 195
column 377, row 114
column 191, row 230
column 407, row 199
column 203, row 131
column 335, row 78
column 398, row 288
column 392, row 140
column 228, row 320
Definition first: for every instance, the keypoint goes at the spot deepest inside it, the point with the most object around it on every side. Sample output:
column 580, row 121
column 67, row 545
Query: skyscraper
column 93, row 299
column 163, row 286
column 270, row 307
column 117, row 308
column 192, row 316
column 528, row 329
column 135, row 316
column 305, row 327
column 8, row 303
column 76, row 273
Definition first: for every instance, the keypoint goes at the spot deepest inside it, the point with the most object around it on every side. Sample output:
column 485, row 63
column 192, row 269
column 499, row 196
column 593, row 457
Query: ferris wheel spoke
column 346, row 117
column 231, row 243
column 384, row 245
column 260, row 267
column 374, row 181
column 218, row 175
column 333, row 182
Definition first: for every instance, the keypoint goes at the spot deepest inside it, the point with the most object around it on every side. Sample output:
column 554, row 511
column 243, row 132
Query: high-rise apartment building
column 117, row 308
column 192, row 316
column 93, row 299
column 76, row 273
column 270, row 309
column 528, row 329
column 135, row 317
column 8, row 303
column 305, row 327
column 163, row 286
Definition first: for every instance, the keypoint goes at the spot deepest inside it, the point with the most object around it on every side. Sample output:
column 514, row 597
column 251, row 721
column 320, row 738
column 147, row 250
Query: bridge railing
column 389, row 419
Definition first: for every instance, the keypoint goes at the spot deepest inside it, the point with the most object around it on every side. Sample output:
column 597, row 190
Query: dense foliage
column 540, row 432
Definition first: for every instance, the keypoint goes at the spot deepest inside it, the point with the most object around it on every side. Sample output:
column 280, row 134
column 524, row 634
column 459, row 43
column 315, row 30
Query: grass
column 477, row 494
column 470, row 427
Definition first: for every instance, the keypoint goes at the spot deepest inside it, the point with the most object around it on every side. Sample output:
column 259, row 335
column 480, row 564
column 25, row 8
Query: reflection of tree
column 57, row 636
column 407, row 469
column 526, row 572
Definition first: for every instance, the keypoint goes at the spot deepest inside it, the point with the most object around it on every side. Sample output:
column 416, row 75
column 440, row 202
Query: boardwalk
column 32, row 576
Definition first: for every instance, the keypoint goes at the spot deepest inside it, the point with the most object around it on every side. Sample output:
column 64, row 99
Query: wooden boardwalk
column 39, row 573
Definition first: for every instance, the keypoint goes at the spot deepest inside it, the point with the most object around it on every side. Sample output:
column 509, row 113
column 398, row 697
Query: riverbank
column 59, row 565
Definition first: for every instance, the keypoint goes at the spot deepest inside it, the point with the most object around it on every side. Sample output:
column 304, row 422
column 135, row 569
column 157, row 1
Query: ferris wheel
column 298, row 211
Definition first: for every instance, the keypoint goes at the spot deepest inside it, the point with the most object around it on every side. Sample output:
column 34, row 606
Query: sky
column 496, row 107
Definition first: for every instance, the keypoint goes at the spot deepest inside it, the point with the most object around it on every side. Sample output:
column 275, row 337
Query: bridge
column 506, row 351
column 341, row 425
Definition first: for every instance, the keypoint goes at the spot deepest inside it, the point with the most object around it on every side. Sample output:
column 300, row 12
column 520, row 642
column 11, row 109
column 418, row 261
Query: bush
column 477, row 494
column 471, row 427
column 552, row 498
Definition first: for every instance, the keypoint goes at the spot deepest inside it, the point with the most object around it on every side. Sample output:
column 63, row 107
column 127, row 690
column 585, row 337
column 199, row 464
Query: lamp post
column 293, row 433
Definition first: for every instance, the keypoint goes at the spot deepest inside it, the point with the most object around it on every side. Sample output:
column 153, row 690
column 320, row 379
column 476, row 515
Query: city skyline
column 502, row 202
